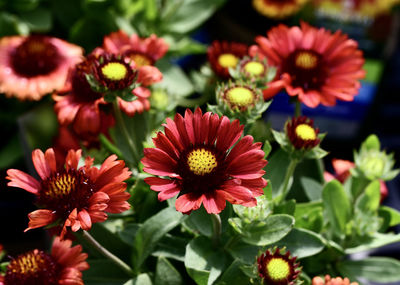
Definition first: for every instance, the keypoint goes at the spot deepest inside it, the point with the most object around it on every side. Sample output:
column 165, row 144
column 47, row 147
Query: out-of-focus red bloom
column 317, row 66
column 201, row 158
column 63, row 266
column 73, row 196
column 223, row 55
column 342, row 168
column 34, row 66
column 332, row 281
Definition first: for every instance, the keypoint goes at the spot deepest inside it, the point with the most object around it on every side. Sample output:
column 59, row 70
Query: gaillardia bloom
column 73, row 196
column 332, row 281
column 201, row 158
column 34, row 66
column 63, row 266
column 78, row 105
column 143, row 51
column 301, row 133
column 278, row 268
column 278, row 9
column 223, row 55
column 313, row 64
column 238, row 96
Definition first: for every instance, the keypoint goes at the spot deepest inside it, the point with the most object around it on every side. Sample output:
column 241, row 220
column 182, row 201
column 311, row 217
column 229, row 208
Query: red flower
column 34, row 66
column 143, row 51
column 342, row 172
column 222, row 55
column 63, row 266
column 301, row 133
column 73, row 196
column 313, row 64
column 201, row 157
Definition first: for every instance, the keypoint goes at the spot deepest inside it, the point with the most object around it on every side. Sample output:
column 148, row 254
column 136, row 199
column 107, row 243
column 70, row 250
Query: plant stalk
column 217, row 227
column 288, row 175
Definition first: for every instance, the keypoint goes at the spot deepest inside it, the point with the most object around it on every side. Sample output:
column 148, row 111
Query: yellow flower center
column 28, row 264
column 254, row 68
column 201, row 161
column 240, row 96
column 227, row 60
column 61, row 186
column 140, row 59
column 305, row 132
column 306, row 60
column 114, row 71
column 278, row 269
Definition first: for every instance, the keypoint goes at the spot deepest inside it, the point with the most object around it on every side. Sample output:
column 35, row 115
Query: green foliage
column 166, row 274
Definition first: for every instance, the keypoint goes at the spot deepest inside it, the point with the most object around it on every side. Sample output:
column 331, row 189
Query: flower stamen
column 201, row 161
column 306, row 60
column 240, row 96
column 114, row 71
column 254, row 68
column 305, row 132
column 227, row 60
column 278, row 269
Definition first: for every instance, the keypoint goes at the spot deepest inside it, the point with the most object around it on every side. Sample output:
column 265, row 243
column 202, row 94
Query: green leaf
column 375, row 269
column 309, row 216
column 390, row 215
column 203, row 262
column 267, row 148
column 369, row 201
column 280, row 138
column 128, row 234
column 375, row 241
column 166, row 274
column 302, row 243
column 11, row 152
column 245, row 252
column 312, row 188
column 38, row 20
column 152, row 231
column 337, row 206
column 104, row 272
column 171, row 247
column 190, row 15
column 275, row 170
column 150, row 9
column 184, row 46
column 233, row 275
column 272, row 230
column 371, row 143
column 141, row 279
column 287, row 207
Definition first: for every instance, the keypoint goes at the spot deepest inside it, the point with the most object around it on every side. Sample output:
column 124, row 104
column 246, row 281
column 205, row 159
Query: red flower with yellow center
column 278, row 9
column 223, row 55
column 63, row 266
column 313, row 64
column 201, row 158
column 143, row 51
column 301, row 133
column 276, row 268
column 73, row 196
column 34, row 66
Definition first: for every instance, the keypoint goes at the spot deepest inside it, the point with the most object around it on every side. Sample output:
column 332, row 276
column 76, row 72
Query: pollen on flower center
column 140, row 59
column 114, row 71
column 278, row 269
column 61, row 186
column 240, row 96
column 228, row 60
column 201, row 161
column 306, row 60
column 305, row 132
column 254, row 68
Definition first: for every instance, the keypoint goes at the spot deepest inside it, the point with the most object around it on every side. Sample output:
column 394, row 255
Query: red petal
column 22, row 180
column 40, row 163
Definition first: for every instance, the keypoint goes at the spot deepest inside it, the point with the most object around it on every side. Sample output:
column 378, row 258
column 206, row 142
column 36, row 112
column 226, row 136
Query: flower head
column 332, row 281
column 313, row 64
column 202, row 159
column 278, row 268
column 240, row 97
column 223, row 55
column 62, row 266
column 73, row 196
column 301, row 133
column 278, row 9
column 80, row 106
column 143, row 51
column 36, row 65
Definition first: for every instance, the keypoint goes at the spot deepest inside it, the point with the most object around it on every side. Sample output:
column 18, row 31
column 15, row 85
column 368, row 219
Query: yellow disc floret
column 278, row 269
column 201, row 161
column 140, row 59
column 305, row 132
column 254, row 68
column 240, row 96
column 306, row 60
column 114, row 71
column 61, row 186
column 28, row 263
column 227, row 60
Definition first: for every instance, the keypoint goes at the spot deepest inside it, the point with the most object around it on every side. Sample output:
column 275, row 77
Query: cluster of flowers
column 201, row 157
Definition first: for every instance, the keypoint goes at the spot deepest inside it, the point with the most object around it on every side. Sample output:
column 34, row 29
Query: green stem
column 106, row 253
column 297, row 108
column 216, row 221
column 288, row 175
column 125, row 133
column 109, row 145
